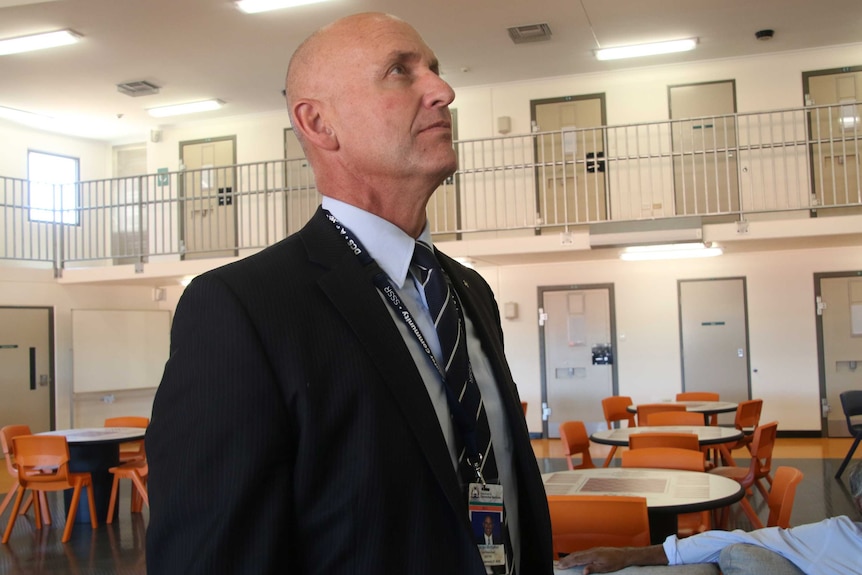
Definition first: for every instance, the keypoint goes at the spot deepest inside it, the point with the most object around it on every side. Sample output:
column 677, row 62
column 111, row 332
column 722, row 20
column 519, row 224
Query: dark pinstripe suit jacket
column 292, row 433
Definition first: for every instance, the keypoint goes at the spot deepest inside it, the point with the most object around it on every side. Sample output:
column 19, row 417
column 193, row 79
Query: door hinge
column 821, row 305
column 824, row 407
column 543, row 317
column 546, row 411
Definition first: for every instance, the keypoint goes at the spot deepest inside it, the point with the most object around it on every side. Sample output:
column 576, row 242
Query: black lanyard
column 466, row 425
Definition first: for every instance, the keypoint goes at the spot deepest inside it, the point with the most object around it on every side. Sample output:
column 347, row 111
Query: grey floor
column 119, row 548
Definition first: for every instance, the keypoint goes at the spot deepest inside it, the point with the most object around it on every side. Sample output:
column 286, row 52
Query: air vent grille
column 530, row 33
column 140, row 88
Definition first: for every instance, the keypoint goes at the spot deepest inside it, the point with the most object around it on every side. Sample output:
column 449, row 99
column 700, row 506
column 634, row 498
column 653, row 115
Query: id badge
column 486, row 516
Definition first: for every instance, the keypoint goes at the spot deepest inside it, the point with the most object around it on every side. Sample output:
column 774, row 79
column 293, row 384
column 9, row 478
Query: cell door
column 836, row 137
column 839, row 333
column 578, row 369
column 27, row 367
column 570, row 177
column 208, row 198
column 714, row 338
column 704, row 148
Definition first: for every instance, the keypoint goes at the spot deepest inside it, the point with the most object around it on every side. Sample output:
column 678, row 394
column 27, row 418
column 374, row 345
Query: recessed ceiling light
column 190, row 108
column 646, row 49
column 255, row 6
column 38, row 42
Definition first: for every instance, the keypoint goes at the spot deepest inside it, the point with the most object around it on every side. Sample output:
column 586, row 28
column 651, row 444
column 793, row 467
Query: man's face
column 488, row 525
column 390, row 107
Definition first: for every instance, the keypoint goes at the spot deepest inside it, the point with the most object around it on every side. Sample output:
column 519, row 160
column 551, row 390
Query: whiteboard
column 114, row 350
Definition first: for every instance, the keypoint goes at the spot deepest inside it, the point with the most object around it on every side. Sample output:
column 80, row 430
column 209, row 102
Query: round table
column 707, row 408
column 706, row 434
column 668, row 492
column 95, row 450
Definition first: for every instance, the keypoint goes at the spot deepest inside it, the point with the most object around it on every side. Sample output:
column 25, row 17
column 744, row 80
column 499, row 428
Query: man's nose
column 438, row 93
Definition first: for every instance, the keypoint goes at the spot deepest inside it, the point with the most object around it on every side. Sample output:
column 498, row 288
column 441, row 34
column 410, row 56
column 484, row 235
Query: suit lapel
column 349, row 287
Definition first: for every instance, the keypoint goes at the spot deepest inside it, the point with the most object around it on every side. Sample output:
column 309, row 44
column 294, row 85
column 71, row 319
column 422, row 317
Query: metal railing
column 732, row 167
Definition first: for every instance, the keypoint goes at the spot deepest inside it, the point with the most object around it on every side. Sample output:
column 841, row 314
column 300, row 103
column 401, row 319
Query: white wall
column 768, row 82
column 35, row 287
column 781, row 316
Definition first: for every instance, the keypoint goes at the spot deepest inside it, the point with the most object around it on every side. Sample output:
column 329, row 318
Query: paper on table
column 576, row 570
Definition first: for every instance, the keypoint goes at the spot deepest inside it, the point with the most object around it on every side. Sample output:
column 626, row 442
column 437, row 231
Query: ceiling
column 200, row 49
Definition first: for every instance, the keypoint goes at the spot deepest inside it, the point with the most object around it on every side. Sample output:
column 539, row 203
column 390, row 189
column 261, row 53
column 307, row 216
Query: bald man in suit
column 300, row 426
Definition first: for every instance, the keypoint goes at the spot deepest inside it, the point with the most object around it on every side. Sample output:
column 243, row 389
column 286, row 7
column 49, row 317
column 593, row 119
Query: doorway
column 838, row 299
column 27, row 367
column 704, row 147
column 570, row 157
column 576, row 340
column 207, row 198
column 713, row 318
column 836, row 137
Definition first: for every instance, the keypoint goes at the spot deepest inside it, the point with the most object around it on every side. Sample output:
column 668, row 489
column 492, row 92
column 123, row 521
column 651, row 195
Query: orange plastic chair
column 137, row 472
column 700, row 396
column 614, row 408
column 746, row 420
column 580, row 522
column 650, row 439
column 43, row 465
column 761, row 463
column 576, row 441
column 130, row 450
column 782, row 495
column 524, row 407
column 675, row 418
column 674, row 458
column 7, row 433
column 665, row 458
column 647, row 409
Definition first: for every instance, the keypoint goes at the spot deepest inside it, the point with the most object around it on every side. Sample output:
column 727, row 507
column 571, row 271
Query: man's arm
column 217, row 433
column 608, row 559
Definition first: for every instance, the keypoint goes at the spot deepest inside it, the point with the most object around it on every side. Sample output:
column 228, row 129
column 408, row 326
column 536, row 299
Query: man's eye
column 397, row 70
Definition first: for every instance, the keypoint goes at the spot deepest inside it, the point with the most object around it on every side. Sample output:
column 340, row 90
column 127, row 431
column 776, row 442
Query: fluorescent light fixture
column 38, row 42
column 466, row 262
column 190, row 108
column 646, row 49
column 22, row 116
column 670, row 252
column 255, row 6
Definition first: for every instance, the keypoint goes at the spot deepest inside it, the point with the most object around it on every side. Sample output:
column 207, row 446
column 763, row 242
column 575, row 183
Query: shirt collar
column 390, row 247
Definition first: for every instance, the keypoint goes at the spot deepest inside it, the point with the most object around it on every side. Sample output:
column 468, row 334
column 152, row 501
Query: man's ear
column 315, row 129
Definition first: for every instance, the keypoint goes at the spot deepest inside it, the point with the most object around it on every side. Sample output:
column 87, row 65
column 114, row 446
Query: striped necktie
column 449, row 322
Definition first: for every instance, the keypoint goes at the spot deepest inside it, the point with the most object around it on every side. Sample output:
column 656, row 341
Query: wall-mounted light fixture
column 190, row 108
column 848, row 118
column 38, row 42
column 671, row 251
column 652, row 49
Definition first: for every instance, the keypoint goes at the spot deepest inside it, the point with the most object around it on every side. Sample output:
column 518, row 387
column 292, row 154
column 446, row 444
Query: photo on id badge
column 486, row 518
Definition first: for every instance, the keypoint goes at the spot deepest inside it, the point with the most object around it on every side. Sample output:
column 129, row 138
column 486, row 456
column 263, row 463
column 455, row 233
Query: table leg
column 95, row 459
column 660, row 526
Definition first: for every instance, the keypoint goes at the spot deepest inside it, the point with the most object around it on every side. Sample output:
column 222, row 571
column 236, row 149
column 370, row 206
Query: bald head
column 307, row 71
column 369, row 107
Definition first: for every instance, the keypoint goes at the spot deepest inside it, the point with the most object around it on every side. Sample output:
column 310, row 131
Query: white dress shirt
column 830, row 547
